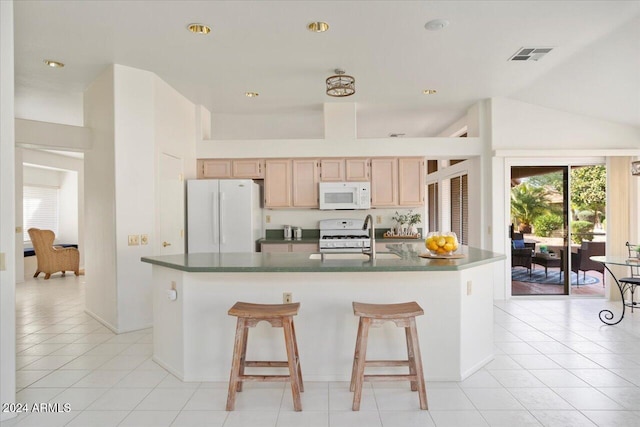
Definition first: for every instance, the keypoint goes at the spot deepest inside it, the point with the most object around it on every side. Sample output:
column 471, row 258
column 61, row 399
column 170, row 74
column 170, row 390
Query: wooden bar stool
column 280, row 316
column 373, row 315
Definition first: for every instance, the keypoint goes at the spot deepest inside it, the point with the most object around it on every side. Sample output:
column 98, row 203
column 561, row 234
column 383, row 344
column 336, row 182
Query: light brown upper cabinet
column 305, row 183
column 411, row 181
column 332, row 170
column 231, row 168
column 358, row 169
column 214, row 168
column 384, row 182
column 248, row 168
column 277, row 183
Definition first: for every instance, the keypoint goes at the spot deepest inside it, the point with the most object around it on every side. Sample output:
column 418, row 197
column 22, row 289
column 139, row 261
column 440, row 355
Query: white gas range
column 344, row 235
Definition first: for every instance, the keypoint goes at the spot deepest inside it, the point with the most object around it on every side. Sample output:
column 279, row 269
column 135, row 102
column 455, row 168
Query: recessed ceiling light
column 199, row 29
column 436, row 24
column 251, row 94
column 429, row 91
column 318, row 27
column 53, row 64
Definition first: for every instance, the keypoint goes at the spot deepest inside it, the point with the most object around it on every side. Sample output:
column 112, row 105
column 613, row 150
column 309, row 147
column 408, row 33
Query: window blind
column 40, row 209
column 432, row 200
column 460, row 208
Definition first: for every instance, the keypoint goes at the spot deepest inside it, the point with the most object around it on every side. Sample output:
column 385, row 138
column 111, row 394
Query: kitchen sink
column 356, row 256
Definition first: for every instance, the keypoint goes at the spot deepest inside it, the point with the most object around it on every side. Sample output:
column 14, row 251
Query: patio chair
column 581, row 261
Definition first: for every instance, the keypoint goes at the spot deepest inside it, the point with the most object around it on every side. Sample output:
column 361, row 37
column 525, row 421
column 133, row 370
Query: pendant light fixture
column 340, row 84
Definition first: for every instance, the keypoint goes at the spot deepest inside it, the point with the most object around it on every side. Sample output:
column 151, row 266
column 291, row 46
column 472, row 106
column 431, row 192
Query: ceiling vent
column 530, row 53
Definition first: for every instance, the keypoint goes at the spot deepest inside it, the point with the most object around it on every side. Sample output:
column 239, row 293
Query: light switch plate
column 144, row 239
column 19, row 230
column 2, row 266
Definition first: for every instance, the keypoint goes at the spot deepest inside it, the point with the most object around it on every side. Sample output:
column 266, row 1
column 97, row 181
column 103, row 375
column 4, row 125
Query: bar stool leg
column 235, row 364
column 293, row 370
column 295, row 346
column 412, row 358
column 362, row 357
column 243, row 356
column 417, row 358
column 356, row 356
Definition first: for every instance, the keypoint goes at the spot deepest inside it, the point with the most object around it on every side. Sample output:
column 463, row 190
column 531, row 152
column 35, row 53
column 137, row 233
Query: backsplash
column 308, row 218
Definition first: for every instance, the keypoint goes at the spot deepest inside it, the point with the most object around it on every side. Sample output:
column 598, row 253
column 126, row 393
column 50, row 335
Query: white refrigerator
column 223, row 215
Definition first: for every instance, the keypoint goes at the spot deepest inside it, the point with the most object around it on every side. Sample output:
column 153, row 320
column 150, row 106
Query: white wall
column 99, row 184
column 134, row 198
column 49, row 105
column 150, row 117
column 522, row 126
column 7, row 212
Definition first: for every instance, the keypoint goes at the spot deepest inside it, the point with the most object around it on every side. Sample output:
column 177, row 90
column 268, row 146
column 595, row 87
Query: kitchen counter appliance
column 344, row 235
column 345, row 195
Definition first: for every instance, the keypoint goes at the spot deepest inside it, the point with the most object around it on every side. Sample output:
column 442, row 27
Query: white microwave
column 345, row 195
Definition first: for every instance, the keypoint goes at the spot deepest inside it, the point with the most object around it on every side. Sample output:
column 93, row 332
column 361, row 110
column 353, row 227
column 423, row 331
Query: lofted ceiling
column 265, row 47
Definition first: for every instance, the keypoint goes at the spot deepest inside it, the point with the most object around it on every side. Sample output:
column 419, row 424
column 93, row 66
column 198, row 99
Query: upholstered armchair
column 50, row 258
column 580, row 261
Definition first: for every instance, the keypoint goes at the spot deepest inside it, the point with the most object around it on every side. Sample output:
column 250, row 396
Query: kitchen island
column 193, row 335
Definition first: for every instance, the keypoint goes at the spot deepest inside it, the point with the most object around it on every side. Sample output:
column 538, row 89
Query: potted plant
column 413, row 219
column 401, row 223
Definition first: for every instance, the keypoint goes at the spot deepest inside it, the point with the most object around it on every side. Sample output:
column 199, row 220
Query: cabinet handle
column 165, row 244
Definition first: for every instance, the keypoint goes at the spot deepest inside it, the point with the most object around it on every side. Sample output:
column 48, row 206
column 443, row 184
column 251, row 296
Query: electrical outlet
column 287, row 297
column 19, row 230
column 134, row 239
column 268, row 219
column 469, row 287
column 2, row 266
column 378, row 219
column 144, row 239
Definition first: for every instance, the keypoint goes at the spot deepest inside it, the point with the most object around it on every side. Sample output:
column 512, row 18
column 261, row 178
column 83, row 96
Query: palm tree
column 527, row 202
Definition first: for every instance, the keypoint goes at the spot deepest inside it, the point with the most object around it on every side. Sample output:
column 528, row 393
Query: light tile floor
column 556, row 364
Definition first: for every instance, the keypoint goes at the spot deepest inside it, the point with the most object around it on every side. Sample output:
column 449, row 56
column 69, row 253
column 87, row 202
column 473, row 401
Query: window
column 40, row 209
column 460, row 208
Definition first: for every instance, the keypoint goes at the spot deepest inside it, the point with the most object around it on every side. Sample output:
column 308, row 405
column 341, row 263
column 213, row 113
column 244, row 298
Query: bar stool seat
column 279, row 316
column 374, row 315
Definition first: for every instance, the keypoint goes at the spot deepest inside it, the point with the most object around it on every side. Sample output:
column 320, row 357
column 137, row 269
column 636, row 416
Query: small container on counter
column 297, row 233
column 287, row 232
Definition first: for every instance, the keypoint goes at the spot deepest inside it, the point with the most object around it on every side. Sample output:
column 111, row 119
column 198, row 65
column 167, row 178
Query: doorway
column 557, row 224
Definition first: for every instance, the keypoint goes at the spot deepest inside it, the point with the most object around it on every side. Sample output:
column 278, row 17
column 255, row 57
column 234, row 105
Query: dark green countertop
column 300, row 262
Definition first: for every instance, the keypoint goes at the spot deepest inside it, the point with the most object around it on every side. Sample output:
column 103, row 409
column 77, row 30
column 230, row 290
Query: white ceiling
column 264, row 46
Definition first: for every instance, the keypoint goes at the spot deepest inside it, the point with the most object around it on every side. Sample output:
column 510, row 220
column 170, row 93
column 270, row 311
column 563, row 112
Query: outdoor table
column 606, row 315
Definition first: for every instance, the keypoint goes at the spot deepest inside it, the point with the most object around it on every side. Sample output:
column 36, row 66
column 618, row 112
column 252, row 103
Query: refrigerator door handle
column 222, row 233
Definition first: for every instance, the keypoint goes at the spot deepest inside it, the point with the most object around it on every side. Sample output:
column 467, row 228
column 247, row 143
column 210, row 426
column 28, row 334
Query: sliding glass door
column 557, row 224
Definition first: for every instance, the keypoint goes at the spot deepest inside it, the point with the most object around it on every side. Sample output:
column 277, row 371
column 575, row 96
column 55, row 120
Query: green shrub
column 544, row 225
column 586, row 215
column 581, row 230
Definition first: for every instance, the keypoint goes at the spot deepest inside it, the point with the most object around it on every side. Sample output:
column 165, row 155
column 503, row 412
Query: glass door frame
column 567, row 162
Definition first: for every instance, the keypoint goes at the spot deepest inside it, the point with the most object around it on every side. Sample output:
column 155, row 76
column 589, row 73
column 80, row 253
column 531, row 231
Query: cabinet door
column 214, row 168
column 305, row 247
column 332, row 170
column 305, row 183
column 275, row 247
column 277, row 183
column 248, row 168
column 357, row 170
column 411, row 181
column 384, row 181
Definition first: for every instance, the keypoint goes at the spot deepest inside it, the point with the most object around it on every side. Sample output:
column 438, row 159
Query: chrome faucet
column 372, row 237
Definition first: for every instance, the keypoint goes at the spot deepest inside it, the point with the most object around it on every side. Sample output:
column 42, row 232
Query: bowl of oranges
column 439, row 243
